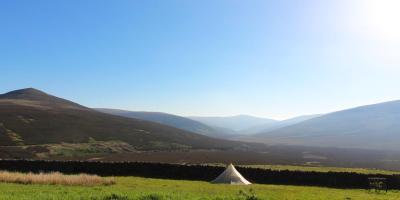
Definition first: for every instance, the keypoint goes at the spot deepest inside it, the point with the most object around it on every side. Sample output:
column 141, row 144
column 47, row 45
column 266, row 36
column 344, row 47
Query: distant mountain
column 374, row 127
column 236, row 123
column 32, row 117
column 278, row 124
column 171, row 120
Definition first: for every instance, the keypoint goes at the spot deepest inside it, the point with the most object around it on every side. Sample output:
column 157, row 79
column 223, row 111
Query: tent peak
column 231, row 176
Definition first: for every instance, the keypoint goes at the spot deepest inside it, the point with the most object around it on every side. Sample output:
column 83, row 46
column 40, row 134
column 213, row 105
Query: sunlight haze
column 205, row 58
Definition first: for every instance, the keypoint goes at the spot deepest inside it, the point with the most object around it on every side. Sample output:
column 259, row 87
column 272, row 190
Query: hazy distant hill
column 171, row 120
column 374, row 126
column 278, row 124
column 30, row 116
column 237, row 123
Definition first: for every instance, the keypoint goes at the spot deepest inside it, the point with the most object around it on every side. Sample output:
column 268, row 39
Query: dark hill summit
column 35, row 98
column 30, row 116
column 28, row 94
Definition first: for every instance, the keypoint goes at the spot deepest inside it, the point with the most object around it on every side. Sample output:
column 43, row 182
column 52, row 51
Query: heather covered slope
column 29, row 117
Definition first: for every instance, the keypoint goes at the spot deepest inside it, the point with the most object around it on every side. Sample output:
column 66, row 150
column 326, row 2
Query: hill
column 170, row 120
column 373, row 126
column 236, row 123
column 32, row 117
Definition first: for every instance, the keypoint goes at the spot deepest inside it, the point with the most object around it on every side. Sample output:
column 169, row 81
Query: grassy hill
column 31, row 117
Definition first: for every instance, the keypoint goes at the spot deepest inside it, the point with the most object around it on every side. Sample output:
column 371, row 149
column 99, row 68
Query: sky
column 275, row 59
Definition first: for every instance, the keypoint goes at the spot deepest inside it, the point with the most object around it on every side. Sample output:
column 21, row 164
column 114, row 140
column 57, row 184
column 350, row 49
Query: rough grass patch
column 250, row 195
column 115, row 197
column 152, row 197
column 54, row 178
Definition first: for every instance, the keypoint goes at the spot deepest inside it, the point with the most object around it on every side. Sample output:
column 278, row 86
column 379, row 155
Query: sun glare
column 382, row 18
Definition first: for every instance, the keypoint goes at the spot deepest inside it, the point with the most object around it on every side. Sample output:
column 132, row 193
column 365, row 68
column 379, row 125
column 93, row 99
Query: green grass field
column 154, row 189
column 323, row 169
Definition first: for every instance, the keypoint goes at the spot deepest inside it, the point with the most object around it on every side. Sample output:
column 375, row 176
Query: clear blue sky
column 274, row 59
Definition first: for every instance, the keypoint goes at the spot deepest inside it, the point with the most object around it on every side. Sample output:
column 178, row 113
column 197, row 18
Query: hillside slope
column 29, row 117
column 374, row 126
column 170, row 120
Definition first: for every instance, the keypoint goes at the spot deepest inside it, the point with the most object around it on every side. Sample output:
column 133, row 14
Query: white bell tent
column 231, row 176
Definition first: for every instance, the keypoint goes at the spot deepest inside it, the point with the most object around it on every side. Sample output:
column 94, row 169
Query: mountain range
column 366, row 127
column 218, row 127
column 32, row 117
